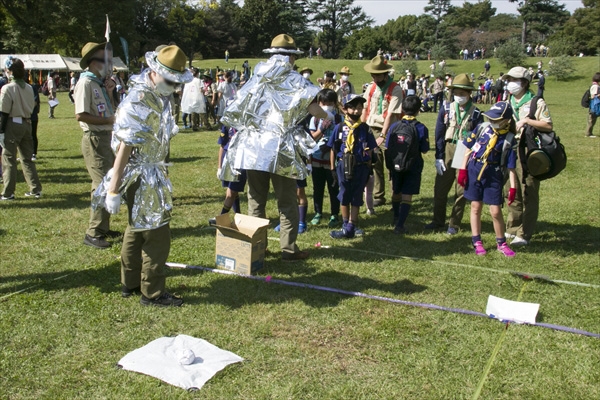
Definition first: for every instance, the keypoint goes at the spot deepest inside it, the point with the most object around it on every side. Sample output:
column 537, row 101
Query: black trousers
column 438, row 98
column 34, row 126
column 324, row 177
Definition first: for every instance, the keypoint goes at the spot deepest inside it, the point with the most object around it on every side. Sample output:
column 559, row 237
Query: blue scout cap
column 500, row 110
column 353, row 98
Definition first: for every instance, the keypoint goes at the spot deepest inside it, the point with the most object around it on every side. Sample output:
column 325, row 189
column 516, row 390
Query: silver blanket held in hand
column 266, row 114
column 143, row 121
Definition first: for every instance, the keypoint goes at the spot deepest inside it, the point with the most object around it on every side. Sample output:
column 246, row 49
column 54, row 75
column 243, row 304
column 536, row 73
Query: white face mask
column 462, row 100
column 513, row 87
column 495, row 125
column 345, row 78
column 306, row 75
column 327, row 108
column 164, row 89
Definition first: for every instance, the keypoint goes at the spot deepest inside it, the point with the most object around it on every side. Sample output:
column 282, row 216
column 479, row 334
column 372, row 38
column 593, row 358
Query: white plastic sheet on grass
column 161, row 359
column 514, row 311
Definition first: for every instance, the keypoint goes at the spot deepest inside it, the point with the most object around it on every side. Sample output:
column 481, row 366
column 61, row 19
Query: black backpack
column 585, row 100
column 403, row 147
column 549, row 143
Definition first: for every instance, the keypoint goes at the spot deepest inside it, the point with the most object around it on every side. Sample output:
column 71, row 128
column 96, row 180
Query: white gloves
column 309, row 168
column 440, row 166
column 219, row 173
column 2, row 140
column 112, row 203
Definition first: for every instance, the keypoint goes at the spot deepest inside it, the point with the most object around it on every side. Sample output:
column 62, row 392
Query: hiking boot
column 504, row 249
column 479, row 249
column 316, row 219
column 164, row 300
column 297, row 256
column 129, row 292
column 99, row 242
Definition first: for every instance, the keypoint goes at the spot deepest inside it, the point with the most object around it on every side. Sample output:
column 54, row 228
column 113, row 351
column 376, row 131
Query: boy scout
column 455, row 122
column 384, row 101
column 94, row 112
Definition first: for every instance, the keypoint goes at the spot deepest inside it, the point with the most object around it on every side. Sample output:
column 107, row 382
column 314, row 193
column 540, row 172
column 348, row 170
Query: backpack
column 549, row 143
column 488, row 85
column 595, row 106
column 585, row 100
column 403, row 148
column 45, row 90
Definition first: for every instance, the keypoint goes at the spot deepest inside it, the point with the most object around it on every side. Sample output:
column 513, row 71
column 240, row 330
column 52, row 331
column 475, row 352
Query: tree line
column 206, row 28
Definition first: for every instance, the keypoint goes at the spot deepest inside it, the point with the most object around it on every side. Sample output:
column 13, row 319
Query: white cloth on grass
column 514, row 311
column 161, row 359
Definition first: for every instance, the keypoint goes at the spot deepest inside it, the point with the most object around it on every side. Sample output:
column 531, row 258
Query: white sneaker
column 508, row 236
column 370, row 211
column 519, row 241
column 452, row 231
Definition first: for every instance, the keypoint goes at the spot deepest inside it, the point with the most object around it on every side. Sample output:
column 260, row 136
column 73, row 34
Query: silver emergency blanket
column 266, row 113
column 143, row 121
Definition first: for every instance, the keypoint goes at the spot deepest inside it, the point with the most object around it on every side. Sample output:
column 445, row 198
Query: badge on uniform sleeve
column 101, row 108
column 96, row 93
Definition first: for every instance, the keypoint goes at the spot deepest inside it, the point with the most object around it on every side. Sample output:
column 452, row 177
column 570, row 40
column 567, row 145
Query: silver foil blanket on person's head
column 144, row 122
column 266, row 114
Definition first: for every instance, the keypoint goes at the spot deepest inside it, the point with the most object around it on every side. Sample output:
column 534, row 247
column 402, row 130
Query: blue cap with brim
column 500, row 110
column 353, row 98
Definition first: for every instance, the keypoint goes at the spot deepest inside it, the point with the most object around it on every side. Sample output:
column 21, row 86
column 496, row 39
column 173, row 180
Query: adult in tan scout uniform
column 16, row 104
column 455, row 122
column 384, row 104
column 524, row 210
column 95, row 114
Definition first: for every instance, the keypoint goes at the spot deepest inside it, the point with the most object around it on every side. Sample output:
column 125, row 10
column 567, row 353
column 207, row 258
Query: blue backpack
column 595, row 106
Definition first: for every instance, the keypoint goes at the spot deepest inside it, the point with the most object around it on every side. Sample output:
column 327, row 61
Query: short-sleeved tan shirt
column 594, row 89
column 394, row 106
column 541, row 114
column 90, row 99
column 17, row 101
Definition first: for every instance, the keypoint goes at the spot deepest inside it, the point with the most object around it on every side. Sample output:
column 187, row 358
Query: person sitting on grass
column 408, row 138
column 490, row 152
column 322, row 174
column 352, row 145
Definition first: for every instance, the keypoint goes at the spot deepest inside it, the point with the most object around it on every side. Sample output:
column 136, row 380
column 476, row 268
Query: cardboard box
column 241, row 243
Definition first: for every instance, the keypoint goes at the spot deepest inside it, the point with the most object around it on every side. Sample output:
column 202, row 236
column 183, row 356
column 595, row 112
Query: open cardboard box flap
column 242, row 224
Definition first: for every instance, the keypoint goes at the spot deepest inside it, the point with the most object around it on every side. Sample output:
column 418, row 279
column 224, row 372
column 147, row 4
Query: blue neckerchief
column 94, row 78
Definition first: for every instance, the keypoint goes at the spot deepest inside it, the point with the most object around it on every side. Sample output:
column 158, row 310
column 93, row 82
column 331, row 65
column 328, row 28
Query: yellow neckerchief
column 409, row 117
column 490, row 146
column 350, row 137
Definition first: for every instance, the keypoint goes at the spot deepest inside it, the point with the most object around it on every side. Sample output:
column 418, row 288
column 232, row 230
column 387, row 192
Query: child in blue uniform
column 322, row 174
column 490, row 151
column 232, row 198
column 352, row 146
column 406, row 141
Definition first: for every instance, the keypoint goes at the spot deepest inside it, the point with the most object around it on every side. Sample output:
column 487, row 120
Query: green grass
column 63, row 337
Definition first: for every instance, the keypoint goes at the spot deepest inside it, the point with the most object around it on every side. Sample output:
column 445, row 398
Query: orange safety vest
column 387, row 97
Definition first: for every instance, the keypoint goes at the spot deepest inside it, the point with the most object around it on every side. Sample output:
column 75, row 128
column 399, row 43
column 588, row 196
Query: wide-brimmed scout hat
column 462, row 81
column 283, row 44
column 345, row 71
column 519, row 73
column 221, row 73
column 500, row 110
column 378, row 65
column 170, row 63
column 88, row 51
column 538, row 162
column 352, row 99
column 305, row 69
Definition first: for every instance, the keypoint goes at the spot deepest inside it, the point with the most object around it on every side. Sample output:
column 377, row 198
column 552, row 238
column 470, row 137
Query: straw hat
column 462, row 81
column 88, row 51
column 378, row 65
column 283, row 44
column 170, row 63
column 345, row 71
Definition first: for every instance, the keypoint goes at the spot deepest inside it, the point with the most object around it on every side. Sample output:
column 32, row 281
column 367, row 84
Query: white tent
column 38, row 61
column 73, row 64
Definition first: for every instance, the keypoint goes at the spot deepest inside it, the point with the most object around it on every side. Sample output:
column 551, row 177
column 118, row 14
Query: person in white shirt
column 226, row 90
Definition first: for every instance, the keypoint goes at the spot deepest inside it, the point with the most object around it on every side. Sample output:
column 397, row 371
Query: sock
column 350, row 227
column 396, row 208
column 404, row 209
column 236, row 206
column 302, row 213
column 225, row 210
column 345, row 222
column 476, row 239
column 500, row 241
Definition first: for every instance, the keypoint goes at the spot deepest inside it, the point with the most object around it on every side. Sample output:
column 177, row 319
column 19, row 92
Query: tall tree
column 185, row 23
column 540, row 16
column 337, row 19
column 577, row 28
column 260, row 21
column 471, row 15
column 438, row 9
column 223, row 31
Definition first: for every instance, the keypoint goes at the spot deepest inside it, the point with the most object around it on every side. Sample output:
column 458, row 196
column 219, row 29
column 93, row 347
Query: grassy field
column 64, row 325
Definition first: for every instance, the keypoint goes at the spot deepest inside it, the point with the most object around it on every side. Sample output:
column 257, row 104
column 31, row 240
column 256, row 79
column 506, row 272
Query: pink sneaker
column 479, row 250
column 504, row 249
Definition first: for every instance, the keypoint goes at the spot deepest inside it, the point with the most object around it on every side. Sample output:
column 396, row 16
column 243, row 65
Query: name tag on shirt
column 17, row 120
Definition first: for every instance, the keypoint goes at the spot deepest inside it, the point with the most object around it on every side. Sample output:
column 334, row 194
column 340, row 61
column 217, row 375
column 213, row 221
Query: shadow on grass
column 236, row 292
column 60, row 202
